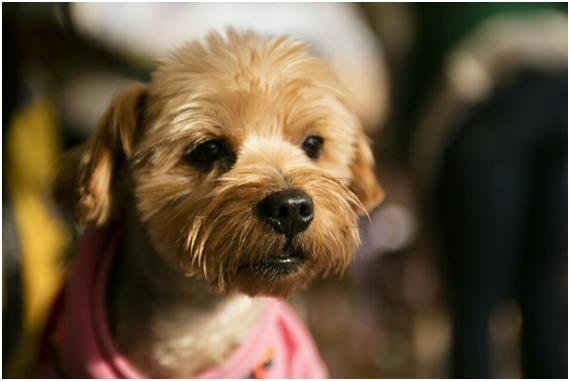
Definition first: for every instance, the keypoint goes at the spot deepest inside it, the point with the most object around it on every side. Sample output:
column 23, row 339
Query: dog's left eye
column 207, row 153
column 313, row 146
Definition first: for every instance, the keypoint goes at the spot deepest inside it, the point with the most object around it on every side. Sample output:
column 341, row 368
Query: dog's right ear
column 87, row 182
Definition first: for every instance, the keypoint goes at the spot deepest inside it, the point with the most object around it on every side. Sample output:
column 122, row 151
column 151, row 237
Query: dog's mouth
column 284, row 263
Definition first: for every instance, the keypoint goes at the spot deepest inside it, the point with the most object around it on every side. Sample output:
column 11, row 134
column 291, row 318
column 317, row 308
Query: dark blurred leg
column 483, row 204
column 545, row 334
column 544, row 293
column 486, row 197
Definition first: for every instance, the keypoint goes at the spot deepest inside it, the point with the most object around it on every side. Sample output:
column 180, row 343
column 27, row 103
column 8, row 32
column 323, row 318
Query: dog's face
column 244, row 162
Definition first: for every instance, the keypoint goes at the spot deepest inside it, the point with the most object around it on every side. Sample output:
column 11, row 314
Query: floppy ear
column 88, row 182
column 364, row 183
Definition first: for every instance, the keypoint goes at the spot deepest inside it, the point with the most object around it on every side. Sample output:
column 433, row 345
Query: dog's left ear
column 91, row 179
column 364, row 183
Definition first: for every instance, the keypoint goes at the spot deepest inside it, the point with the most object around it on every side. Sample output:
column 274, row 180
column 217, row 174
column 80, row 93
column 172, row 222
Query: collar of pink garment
column 87, row 350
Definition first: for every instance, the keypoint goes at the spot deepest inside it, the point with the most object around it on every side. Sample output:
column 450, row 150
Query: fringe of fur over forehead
column 244, row 59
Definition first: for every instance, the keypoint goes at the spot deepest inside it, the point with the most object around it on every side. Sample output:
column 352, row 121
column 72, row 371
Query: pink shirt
column 279, row 346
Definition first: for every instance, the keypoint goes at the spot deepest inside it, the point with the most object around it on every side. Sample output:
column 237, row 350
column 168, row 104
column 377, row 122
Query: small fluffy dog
column 236, row 175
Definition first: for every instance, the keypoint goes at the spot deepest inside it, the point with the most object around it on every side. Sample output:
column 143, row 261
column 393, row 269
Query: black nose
column 288, row 212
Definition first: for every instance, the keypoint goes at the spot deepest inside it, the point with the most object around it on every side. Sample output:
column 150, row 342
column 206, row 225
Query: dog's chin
column 274, row 275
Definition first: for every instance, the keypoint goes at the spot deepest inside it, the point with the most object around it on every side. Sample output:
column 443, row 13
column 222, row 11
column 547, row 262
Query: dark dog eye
column 207, row 153
column 313, row 146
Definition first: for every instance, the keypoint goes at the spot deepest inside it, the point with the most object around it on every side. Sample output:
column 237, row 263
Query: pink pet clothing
column 78, row 343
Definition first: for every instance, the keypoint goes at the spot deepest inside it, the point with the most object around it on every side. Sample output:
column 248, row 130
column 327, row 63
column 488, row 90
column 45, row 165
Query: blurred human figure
column 495, row 140
column 503, row 209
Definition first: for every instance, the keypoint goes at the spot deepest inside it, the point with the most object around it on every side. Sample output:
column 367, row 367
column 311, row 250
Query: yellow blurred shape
column 33, row 147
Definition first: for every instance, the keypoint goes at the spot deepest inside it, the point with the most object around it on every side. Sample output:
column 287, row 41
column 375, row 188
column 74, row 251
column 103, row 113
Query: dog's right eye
column 207, row 153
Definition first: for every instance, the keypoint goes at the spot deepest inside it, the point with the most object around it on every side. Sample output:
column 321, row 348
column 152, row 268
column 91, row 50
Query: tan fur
column 263, row 96
column 87, row 182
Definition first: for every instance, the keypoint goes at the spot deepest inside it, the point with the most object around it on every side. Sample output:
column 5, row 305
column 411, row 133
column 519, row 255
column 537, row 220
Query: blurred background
column 463, row 269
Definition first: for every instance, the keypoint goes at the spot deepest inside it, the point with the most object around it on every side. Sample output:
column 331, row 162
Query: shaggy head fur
column 258, row 99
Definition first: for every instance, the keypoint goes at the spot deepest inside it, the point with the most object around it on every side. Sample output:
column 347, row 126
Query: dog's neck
column 166, row 324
